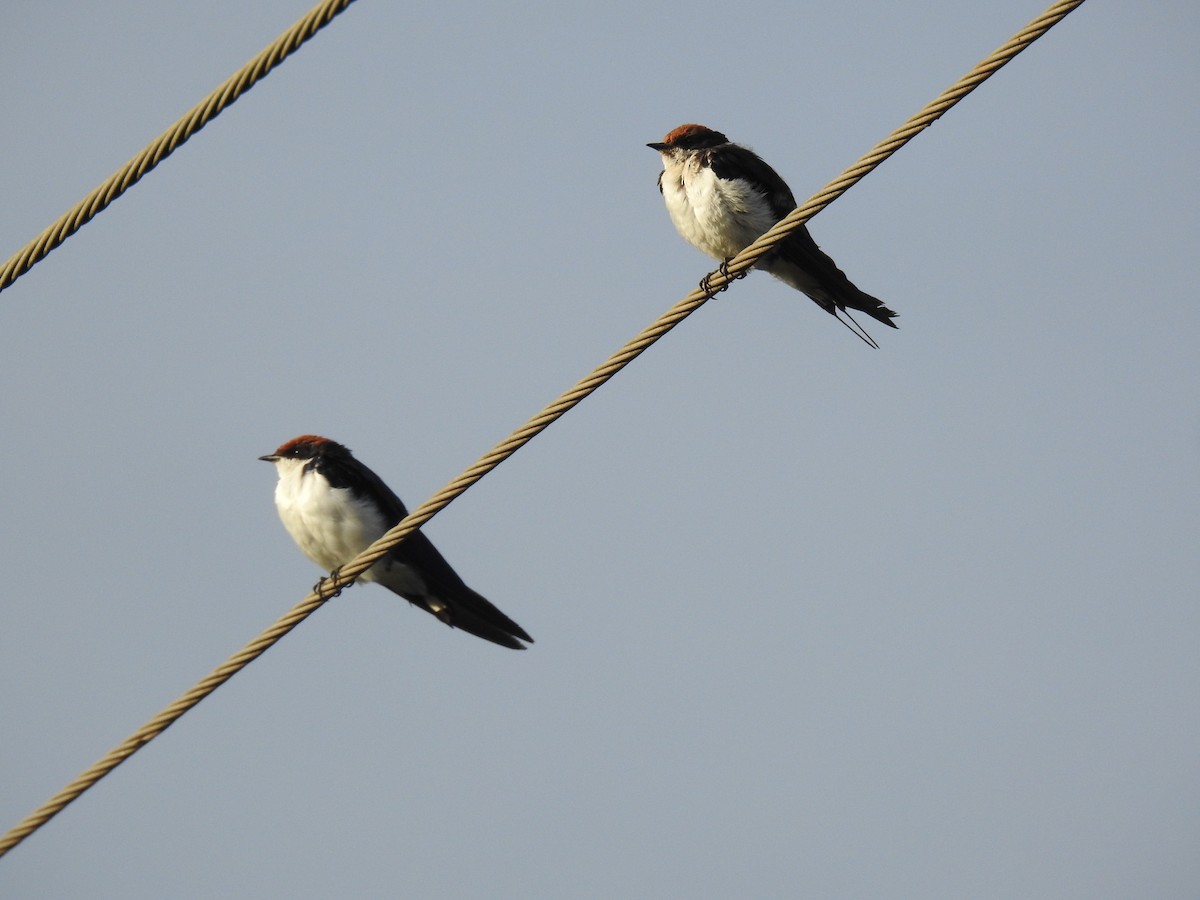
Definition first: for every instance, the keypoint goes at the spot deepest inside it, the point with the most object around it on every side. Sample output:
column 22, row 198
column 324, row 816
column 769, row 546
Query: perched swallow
column 334, row 507
column 722, row 197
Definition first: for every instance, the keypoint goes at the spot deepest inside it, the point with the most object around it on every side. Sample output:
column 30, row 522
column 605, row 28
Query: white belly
column 717, row 217
column 328, row 524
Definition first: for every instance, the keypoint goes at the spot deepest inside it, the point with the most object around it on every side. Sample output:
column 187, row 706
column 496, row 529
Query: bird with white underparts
column 721, row 197
column 334, row 507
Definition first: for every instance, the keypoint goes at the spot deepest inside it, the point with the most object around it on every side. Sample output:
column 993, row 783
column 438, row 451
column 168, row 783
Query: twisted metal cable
column 170, row 140
column 929, row 114
column 348, row 573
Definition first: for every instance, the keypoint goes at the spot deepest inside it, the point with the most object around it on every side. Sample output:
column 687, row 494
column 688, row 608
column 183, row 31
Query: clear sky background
column 812, row 620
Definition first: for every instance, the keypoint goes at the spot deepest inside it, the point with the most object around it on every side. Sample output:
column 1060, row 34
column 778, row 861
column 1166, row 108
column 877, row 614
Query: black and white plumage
column 334, row 507
column 722, row 197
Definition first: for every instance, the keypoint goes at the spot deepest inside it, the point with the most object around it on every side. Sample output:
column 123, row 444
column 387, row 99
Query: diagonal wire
column 348, row 573
column 170, row 140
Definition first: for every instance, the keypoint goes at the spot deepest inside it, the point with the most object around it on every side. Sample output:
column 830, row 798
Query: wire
column 716, row 280
column 170, row 140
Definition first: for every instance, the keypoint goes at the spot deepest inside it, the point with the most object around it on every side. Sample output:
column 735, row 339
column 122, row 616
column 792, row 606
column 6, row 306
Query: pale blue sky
column 811, row 620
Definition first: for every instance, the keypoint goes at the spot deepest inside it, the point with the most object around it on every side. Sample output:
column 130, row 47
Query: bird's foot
column 723, row 270
column 319, row 587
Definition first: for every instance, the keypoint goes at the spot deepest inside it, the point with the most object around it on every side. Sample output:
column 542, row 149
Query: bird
column 334, row 507
column 722, row 196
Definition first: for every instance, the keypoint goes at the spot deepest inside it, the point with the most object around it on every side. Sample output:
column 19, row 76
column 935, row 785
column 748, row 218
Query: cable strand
column 350, row 572
column 170, row 140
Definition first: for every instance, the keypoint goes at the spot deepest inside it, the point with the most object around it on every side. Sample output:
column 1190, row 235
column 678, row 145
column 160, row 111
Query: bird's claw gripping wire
column 722, row 269
column 319, row 587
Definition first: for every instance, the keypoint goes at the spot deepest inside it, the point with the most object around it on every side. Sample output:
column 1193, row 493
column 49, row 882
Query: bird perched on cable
column 722, row 196
column 334, row 507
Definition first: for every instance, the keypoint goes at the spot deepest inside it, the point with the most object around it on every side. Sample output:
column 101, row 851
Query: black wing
column 465, row 608
column 739, row 163
column 799, row 247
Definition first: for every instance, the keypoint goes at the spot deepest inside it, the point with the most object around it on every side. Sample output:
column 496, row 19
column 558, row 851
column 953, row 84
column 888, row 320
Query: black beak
column 659, row 147
column 270, row 457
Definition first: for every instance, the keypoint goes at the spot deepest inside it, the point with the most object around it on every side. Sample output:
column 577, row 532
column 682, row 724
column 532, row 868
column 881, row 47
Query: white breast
column 719, row 217
column 328, row 524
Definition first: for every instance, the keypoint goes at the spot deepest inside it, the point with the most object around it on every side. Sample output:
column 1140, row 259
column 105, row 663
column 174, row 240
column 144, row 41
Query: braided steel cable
column 170, row 140
column 716, row 281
